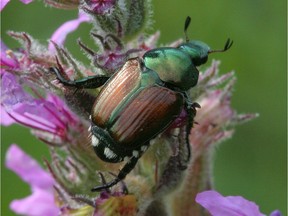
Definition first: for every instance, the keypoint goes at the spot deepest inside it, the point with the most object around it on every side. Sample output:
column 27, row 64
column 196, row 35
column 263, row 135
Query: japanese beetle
column 141, row 100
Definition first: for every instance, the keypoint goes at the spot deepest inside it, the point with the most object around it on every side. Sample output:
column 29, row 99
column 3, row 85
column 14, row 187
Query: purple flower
column 50, row 118
column 41, row 201
column 100, row 6
column 111, row 60
column 7, row 58
column 61, row 33
column 210, row 130
column 216, row 113
column 113, row 54
column 219, row 205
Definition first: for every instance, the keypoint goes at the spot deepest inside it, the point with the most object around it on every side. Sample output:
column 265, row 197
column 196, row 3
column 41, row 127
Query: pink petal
column 26, row 1
column 61, row 33
column 276, row 213
column 27, row 168
column 40, row 202
column 219, row 205
column 5, row 119
column 3, row 4
column 60, row 105
column 6, row 60
column 50, row 115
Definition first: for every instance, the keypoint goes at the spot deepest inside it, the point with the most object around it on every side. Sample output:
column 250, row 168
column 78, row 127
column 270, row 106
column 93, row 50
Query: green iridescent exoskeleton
column 141, row 100
column 166, row 61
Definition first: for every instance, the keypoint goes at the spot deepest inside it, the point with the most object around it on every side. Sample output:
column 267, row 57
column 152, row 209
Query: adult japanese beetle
column 141, row 100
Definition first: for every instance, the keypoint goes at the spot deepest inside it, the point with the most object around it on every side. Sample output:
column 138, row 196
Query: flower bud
column 123, row 18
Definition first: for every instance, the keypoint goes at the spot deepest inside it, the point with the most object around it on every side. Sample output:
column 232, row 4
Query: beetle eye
column 199, row 61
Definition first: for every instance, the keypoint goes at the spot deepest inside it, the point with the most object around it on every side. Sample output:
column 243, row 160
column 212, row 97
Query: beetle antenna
column 187, row 23
column 227, row 46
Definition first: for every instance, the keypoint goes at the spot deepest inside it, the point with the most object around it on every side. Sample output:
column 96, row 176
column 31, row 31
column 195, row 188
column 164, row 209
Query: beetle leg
column 191, row 110
column 124, row 186
column 104, row 182
column 122, row 174
column 87, row 82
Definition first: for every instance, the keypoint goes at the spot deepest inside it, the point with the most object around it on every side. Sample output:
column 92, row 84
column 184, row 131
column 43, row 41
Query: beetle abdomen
column 150, row 111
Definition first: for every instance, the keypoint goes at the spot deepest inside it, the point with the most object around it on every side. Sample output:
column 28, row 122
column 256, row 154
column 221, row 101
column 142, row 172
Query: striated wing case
column 133, row 107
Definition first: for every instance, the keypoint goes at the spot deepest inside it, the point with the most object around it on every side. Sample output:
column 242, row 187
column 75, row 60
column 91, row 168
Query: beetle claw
column 105, row 186
column 124, row 186
column 104, row 182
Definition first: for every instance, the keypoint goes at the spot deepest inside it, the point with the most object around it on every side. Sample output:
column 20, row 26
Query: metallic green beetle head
column 177, row 67
column 197, row 50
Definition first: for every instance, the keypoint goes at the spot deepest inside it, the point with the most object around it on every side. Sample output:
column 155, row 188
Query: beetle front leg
column 87, row 82
column 122, row 174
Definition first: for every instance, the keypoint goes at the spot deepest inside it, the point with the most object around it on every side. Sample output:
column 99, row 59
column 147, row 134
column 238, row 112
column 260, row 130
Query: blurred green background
column 253, row 163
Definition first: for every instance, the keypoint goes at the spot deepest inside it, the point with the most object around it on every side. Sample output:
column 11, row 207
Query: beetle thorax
column 173, row 66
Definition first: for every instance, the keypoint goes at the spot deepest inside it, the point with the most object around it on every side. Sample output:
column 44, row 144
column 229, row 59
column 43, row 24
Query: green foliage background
column 253, row 163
